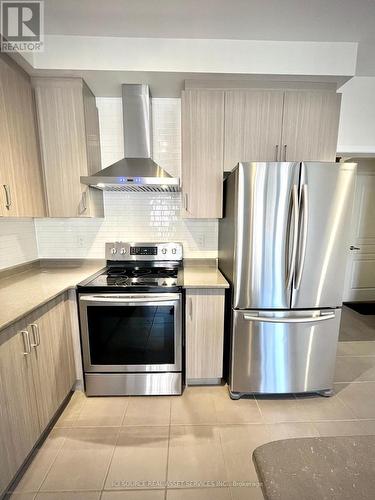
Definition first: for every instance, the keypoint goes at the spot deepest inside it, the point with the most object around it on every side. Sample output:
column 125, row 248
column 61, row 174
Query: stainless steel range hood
column 137, row 171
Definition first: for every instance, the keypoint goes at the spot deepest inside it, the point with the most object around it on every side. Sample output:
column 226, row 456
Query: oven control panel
column 124, row 251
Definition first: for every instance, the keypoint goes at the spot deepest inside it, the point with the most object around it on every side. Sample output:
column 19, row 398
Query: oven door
column 131, row 332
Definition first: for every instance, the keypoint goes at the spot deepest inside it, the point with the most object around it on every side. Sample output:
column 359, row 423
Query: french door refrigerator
column 283, row 245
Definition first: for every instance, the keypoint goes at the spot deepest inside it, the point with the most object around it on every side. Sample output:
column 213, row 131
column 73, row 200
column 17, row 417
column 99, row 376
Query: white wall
column 132, row 216
column 17, row 242
column 357, row 120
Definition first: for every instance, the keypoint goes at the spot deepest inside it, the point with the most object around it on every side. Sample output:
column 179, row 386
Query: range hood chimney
column 137, row 171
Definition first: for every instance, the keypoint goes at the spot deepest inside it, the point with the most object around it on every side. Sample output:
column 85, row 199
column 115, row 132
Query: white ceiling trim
column 197, row 55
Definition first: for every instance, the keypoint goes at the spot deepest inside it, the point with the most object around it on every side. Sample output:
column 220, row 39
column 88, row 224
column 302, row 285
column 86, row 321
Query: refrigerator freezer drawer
column 280, row 352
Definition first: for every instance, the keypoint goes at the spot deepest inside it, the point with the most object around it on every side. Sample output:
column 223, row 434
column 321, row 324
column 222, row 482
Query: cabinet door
column 94, row 162
column 310, row 125
column 204, row 333
column 20, row 169
column 20, row 426
column 202, row 153
column 49, row 328
column 253, row 120
column 63, row 145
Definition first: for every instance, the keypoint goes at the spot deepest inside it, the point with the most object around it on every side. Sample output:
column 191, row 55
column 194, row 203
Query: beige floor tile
column 243, row 411
column 83, row 460
column 356, row 348
column 247, row 493
column 134, row 495
column 195, row 454
column 22, row 496
column 98, row 412
column 342, row 428
column 42, row 461
column 355, row 368
column 238, row 443
column 281, row 409
column 69, row 495
column 290, row 430
column 71, row 412
column 321, row 408
column 199, row 494
column 359, row 397
column 367, row 427
column 140, row 458
column 148, row 410
column 195, row 406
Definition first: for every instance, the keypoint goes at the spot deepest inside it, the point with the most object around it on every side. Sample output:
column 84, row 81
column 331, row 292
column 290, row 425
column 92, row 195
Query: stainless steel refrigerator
column 283, row 246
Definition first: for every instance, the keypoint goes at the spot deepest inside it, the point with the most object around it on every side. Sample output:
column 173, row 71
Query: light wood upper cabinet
column 310, row 125
column 21, row 182
column 204, row 333
column 202, row 153
column 70, row 147
column 253, row 120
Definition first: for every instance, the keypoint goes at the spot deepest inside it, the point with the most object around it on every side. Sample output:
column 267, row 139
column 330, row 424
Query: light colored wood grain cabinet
column 36, row 374
column 21, row 183
column 202, row 153
column 52, row 351
column 310, row 125
column 20, row 426
column 204, row 334
column 70, row 146
column 253, row 120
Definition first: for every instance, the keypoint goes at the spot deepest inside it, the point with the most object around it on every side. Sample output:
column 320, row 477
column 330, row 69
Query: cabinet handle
column 26, row 342
column 352, row 247
column 8, row 197
column 276, row 152
column 84, row 201
column 35, row 331
column 186, row 202
column 285, row 146
column 190, row 308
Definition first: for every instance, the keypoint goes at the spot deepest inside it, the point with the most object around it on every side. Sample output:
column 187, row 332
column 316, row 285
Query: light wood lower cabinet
column 204, row 334
column 36, row 374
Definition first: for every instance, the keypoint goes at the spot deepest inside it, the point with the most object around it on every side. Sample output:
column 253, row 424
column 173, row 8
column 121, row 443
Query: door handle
column 295, row 212
column 305, row 221
column 306, row 319
column 8, row 198
column 352, row 247
column 26, row 342
column 35, row 331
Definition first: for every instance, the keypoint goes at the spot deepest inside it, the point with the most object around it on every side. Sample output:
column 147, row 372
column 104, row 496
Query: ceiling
column 308, row 20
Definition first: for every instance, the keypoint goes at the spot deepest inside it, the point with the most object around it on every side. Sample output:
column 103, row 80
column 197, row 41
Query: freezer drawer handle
column 307, row 319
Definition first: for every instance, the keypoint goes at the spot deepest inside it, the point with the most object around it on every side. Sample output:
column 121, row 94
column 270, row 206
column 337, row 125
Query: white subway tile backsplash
column 128, row 217
column 17, row 242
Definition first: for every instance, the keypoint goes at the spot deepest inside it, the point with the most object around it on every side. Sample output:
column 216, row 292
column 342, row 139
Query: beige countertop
column 22, row 292
column 203, row 277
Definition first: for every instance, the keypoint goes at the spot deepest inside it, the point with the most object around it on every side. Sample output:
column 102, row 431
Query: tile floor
column 201, row 443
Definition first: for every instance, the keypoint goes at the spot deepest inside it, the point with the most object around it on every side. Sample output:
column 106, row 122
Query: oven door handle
column 115, row 299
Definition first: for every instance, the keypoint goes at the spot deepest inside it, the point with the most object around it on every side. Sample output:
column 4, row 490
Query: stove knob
column 174, row 250
column 113, row 251
column 123, row 251
column 164, row 251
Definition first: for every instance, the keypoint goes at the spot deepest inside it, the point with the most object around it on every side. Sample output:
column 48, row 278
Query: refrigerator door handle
column 306, row 319
column 295, row 212
column 305, row 221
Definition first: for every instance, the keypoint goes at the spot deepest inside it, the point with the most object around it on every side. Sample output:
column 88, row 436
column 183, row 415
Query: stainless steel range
column 131, row 321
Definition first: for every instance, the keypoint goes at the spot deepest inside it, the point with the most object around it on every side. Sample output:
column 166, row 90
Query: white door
column 360, row 272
